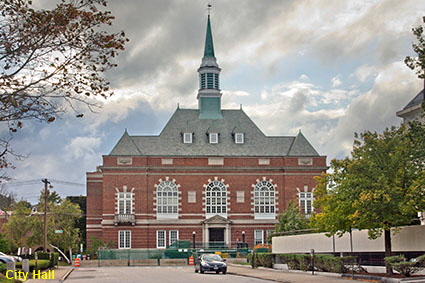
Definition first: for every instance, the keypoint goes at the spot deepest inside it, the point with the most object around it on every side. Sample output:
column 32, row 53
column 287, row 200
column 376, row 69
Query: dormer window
column 187, row 137
column 213, row 137
column 239, row 138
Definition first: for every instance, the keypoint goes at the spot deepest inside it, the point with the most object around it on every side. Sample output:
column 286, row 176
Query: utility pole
column 46, row 193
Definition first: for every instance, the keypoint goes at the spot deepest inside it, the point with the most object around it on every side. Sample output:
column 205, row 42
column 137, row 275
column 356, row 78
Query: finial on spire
column 209, row 8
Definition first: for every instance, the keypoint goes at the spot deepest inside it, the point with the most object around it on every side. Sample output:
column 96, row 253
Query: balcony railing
column 124, row 219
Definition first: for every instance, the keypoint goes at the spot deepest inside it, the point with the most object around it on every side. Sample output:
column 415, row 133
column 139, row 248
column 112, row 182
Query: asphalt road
column 160, row 274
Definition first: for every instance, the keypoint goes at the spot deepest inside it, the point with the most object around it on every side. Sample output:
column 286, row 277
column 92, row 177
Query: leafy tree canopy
column 52, row 59
column 381, row 186
column 418, row 63
column 291, row 219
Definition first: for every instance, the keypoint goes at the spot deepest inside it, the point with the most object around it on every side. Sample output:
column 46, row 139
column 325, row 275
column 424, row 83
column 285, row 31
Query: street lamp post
column 193, row 237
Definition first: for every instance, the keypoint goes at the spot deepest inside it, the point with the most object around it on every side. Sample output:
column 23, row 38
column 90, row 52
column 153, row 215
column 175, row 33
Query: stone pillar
column 26, row 265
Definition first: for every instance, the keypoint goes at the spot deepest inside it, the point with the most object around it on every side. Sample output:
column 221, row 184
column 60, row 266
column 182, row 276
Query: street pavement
column 239, row 270
column 274, row 275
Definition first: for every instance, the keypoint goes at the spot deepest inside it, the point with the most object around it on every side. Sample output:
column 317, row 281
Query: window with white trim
column 258, row 237
column 268, row 233
column 167, row 199
column 187, row 137
column 124, row 239
column 264, row 200
column 306, row 202
column 173, row 236
column 213, row 137
column 161, row 238
column 125, row 203
column 239, row 138
column 216, row 199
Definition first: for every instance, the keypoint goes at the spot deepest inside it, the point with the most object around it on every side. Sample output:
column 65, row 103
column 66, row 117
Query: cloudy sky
column 329, row 68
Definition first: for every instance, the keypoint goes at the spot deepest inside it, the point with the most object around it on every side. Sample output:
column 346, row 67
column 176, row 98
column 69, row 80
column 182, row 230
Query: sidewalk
column 280, row 275
column 301, row 276
column 60, row 275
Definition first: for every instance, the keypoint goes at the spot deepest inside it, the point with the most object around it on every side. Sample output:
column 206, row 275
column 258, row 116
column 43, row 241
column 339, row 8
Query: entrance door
column 216, row 237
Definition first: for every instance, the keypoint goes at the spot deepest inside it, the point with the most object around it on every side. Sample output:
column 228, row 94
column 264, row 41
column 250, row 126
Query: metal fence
column 176, row 254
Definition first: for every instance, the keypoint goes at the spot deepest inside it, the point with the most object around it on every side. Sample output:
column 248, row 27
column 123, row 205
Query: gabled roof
column 170, row 141
column 216, row 219
column 300, row 146
column 417, row 100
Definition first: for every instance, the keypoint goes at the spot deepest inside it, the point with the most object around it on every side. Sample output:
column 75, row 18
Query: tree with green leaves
column 62, row 219
column 4, row 244
column 381, row 186
column 53, row 198
column 23, row 229
column 52, row 60
column 418, row 63
column 291, row 219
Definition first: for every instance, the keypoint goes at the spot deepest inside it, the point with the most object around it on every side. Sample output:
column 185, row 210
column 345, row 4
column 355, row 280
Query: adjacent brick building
column 210, row 175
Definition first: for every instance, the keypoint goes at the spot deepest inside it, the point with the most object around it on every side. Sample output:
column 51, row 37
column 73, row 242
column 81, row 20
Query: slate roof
column 170, row 141
column 417, row 100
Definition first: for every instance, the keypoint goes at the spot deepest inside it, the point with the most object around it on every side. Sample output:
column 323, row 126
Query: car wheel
column 201, row 270
column 224, row 272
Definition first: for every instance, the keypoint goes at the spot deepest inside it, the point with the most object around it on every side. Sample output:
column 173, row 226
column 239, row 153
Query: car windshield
column 210, row 258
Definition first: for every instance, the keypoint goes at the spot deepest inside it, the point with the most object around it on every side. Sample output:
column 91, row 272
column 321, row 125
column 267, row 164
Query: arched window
column 264, row 200
column 216, row 199
column 167, row 199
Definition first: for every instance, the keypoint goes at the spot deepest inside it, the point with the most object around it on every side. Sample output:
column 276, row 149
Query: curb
column 66, row 275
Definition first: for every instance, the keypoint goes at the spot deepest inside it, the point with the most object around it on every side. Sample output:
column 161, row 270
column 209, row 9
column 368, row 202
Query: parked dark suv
column 210, row 262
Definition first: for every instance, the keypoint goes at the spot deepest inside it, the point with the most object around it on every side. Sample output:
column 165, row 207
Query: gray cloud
column 359, row 44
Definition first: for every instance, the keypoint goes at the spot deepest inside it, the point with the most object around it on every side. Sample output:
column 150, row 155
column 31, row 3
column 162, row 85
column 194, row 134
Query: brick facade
column 191, row 174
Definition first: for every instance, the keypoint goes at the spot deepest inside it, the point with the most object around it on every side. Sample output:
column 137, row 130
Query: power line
column 67, row 183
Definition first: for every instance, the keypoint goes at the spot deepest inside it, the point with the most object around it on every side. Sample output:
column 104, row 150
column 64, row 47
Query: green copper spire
column 209, row 96
column 209, row 46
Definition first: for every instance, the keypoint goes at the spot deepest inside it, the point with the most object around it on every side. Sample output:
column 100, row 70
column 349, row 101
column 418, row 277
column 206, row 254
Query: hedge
column 3, row 268
column 326, row 263
column 407, row 268
column 296, row 261
column 263, row 259
column 53, row 259
column 41, row 264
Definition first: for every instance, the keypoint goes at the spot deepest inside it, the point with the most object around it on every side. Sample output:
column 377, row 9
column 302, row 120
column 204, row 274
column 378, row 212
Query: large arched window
column 167, row 199
column 216, row 198
column 264, row 200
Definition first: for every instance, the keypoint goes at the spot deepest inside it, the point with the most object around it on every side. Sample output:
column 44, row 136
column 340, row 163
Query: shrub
column 329, row 263
column 404, row 267
column 264, row 259
column 290, row 260
column 3, row 268
column 420, row 260
column 52, row 257
column 325, row 263
column 297, row 261
column 41, row 264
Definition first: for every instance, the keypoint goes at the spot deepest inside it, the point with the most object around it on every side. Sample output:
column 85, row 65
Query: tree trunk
column 387, row 239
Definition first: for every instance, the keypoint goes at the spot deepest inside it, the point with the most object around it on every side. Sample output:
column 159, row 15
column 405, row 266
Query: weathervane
column 209, row 7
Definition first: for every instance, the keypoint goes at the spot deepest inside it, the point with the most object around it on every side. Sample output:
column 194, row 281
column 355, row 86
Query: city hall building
column 211, row 176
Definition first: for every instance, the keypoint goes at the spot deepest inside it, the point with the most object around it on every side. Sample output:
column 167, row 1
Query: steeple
column 209, row 46
column 209, row 95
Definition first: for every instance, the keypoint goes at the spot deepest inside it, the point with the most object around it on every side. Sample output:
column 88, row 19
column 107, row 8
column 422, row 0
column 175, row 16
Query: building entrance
column 216, row 235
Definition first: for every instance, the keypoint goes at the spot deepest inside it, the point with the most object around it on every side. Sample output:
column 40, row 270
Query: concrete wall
column 409, row 238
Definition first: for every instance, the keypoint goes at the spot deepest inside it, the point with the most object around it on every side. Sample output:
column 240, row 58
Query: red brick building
column 211, row 174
